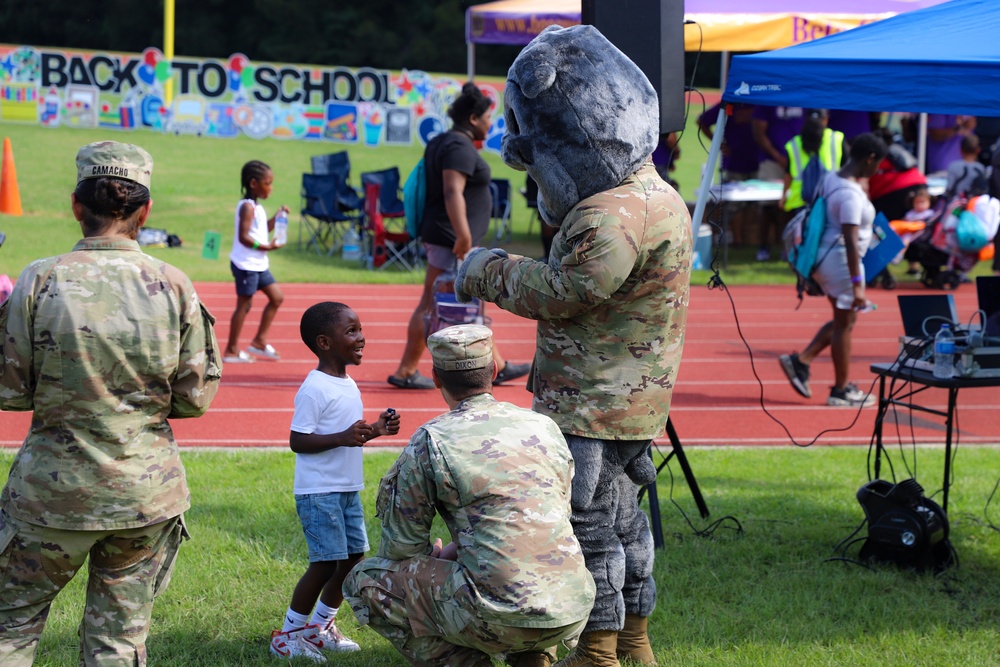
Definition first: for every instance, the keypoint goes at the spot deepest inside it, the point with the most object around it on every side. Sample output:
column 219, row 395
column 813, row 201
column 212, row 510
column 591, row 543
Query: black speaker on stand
column 651, row 33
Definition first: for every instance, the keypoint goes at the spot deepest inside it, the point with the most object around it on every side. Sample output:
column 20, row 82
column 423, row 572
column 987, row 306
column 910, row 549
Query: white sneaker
column 297, row 643
column 334, row 640
column 850, row 397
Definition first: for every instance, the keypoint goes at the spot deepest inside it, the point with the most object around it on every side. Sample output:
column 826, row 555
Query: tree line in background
column 384, row 34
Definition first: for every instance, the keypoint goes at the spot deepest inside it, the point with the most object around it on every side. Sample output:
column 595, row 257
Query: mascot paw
column 474, row 262
column 463, row 270
column 641, row 469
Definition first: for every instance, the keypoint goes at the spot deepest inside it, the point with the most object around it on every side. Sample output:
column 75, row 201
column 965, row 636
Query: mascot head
column 580, row 116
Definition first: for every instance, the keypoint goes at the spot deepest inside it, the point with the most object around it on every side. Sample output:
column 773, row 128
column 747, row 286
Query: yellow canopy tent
column 711, row 25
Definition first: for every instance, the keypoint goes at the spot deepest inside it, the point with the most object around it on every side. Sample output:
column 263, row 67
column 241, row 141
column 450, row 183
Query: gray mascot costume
column 611, row 303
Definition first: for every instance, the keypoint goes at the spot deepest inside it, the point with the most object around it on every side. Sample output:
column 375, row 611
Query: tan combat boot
column 595, row 649
column 633, row 641
column 529, row 659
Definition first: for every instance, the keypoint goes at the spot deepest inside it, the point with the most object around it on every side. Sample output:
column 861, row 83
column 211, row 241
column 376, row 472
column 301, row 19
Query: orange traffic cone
column 10, row 198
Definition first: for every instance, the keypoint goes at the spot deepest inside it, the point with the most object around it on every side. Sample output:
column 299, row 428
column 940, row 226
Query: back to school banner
column 227, row 98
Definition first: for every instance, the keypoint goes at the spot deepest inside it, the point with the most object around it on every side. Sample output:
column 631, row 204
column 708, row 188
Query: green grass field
column 766, row 597
column 196, row 187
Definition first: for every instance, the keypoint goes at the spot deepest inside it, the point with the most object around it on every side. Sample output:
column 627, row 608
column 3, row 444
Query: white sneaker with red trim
column 302, row 642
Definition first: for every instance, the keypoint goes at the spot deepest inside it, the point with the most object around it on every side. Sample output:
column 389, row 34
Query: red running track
column 717, row 400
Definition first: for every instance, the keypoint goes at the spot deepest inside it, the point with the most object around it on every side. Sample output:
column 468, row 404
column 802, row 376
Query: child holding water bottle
column 249, row 264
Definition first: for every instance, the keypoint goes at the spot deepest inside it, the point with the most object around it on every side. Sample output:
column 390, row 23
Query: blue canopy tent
column 942, row 59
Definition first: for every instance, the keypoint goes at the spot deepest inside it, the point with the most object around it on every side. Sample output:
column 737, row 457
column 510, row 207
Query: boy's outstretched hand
column 388, row 423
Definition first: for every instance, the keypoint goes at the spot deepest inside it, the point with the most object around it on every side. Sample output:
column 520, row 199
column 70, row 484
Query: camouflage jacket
column 611, row 305
column 103, row 344
column 500, row 477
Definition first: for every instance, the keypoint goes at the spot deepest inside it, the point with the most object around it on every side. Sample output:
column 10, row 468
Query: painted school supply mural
column 227, row 98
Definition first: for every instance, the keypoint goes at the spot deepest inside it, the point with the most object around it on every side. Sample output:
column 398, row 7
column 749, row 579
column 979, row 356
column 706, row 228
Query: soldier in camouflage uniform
column 611, row 304
column 513, row 581
column 103, row 344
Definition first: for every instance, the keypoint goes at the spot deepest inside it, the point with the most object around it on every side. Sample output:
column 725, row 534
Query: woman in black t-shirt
column 456, row 217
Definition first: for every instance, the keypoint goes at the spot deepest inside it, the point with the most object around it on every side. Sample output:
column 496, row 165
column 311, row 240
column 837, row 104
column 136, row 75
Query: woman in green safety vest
column 814, row 140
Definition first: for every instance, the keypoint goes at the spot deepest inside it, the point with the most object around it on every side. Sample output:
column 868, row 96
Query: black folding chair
column 530, row 192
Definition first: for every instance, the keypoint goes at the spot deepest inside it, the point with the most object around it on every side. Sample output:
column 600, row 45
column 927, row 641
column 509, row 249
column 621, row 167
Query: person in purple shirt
column 944, row 139
column 773, row 127
column 740, row 157
column 740, row 154
column 851, row 123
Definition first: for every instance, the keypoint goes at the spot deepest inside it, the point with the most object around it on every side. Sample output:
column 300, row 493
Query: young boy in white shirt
column 327, row 435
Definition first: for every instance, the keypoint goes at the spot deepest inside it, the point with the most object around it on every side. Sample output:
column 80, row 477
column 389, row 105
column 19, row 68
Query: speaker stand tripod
column 654, row 505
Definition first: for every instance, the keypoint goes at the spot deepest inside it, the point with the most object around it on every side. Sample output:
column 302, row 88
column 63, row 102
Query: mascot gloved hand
column 476, row 259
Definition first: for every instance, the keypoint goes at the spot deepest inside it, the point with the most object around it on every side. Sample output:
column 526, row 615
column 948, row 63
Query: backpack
column 970, row 233
column 801, row 242
column 813, row 174
column 414, row 196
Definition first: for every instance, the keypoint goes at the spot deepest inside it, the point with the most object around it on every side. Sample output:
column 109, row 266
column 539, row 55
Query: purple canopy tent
column 719, row 25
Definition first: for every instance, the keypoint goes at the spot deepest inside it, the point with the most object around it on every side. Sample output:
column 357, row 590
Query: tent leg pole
column 470, row 60
column 922, row 143
column 709, row 175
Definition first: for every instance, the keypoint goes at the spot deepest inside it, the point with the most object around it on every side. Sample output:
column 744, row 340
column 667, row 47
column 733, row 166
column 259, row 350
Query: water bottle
column 351, row 246
column 846, row 302
column 944, row 353
column 281, row 227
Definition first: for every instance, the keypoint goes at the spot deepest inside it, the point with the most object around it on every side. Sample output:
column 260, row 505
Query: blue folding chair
column 321, row 215
column 500, row 190
column 338, row 165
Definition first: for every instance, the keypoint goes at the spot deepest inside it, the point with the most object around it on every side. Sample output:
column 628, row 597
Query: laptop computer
column 988, row 291
column 923, row 314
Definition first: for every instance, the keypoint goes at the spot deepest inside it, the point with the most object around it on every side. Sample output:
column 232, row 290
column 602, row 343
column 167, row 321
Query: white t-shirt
column 327, row 404
column 846, row 203
column 246, row 258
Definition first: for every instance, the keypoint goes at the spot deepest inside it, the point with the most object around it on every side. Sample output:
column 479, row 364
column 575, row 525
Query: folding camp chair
column 500, row 190
column 383, row 248
column 390, row 199
column 530, row 192
column 338, row 165
column 321, row 215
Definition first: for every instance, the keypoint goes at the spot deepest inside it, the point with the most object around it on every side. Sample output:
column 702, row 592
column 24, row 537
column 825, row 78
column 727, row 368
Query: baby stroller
column 945, row 250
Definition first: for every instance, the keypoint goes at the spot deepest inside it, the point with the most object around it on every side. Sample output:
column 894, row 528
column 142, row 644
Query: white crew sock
column 323, row 614
column 294, row 620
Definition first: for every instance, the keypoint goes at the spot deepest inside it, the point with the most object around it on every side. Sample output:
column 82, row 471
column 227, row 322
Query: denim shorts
column 333, row 523
column 248, row 282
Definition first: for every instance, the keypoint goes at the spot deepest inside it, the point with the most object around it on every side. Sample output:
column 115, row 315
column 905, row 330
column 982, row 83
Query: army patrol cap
column 114, row 159
column 463, row 347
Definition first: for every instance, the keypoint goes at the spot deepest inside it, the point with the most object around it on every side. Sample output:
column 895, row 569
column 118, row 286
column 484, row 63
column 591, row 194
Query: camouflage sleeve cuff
column 473, row 269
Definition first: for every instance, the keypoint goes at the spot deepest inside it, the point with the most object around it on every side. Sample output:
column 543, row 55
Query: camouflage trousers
column 427, row 609
column 128, row 569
